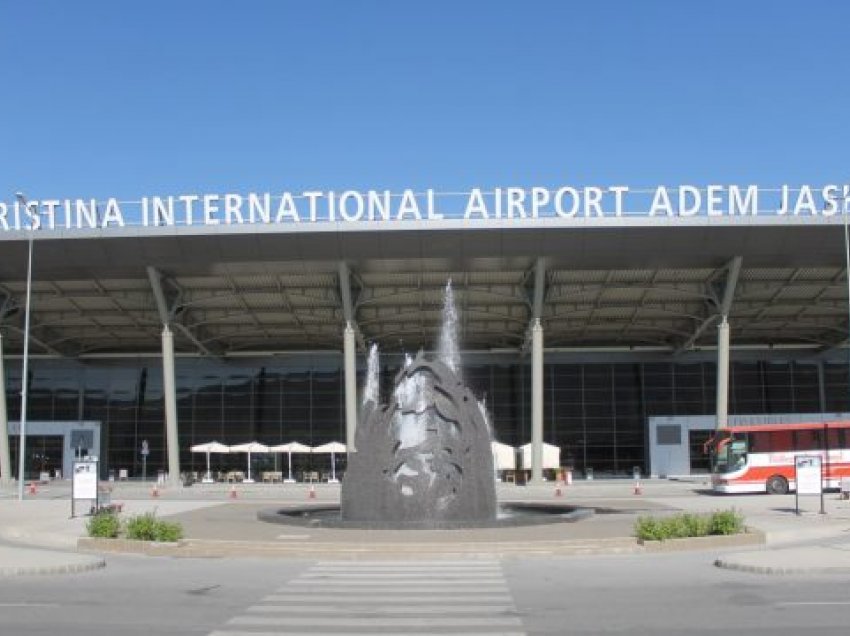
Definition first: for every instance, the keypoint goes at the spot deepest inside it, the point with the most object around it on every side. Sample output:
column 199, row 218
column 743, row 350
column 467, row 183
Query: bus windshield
column 729, row 452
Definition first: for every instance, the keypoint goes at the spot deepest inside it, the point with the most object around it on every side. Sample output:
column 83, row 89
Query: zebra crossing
column 413, row 598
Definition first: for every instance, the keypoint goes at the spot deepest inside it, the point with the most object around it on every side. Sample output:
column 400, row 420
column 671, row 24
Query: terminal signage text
column 478, row 204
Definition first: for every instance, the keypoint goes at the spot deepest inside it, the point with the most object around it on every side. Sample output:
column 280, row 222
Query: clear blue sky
column 126, row 99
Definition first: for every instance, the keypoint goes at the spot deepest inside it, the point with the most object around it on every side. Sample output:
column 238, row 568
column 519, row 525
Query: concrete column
column 722, row 373
column 537, row 402
column 349, row 362
column 822, row 386
column 5, row 458
column 170, row 394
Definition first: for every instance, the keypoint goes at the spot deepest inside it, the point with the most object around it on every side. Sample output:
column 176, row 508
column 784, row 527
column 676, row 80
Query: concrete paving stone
column 225, row 515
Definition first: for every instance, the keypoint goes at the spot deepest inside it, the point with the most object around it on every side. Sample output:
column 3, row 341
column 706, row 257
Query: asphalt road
column 634, row 594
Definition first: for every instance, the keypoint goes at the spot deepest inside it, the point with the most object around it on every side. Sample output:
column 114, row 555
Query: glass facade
column 595, row 411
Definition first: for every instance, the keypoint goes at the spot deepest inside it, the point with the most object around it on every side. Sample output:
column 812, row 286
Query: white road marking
column 441, row 609
column 359, row 598
column 413, row 598
column 355, row 621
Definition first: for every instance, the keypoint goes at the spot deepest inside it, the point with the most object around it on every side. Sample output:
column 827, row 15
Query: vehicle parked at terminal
column 760, row 457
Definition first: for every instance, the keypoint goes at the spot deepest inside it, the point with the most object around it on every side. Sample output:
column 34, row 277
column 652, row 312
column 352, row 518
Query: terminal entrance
column 44, row 455
column 700, row 460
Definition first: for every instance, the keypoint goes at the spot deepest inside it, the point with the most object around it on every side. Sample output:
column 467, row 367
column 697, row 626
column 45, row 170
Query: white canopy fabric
column 330, row 447
column 504, row 456
column 210, row 447
column 551, row 456
column 249, row 447
column 290, row 447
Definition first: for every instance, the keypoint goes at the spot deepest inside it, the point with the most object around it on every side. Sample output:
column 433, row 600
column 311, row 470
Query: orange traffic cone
column 638, row 489
column 233, row 492
column 311, row 494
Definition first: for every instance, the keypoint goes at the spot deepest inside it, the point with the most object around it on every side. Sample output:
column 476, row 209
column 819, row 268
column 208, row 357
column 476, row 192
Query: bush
column 104, row 524
column 170, row 531
column 142, row 527
column 727, row 522
column 689, row 525
column 147, row 527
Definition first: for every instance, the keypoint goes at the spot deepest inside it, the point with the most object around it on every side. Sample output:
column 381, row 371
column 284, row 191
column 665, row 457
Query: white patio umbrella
column 209, row 447
column 551, row 455
column 249, row 447
column 333, row 448
column 504, row 456
column 289, row 448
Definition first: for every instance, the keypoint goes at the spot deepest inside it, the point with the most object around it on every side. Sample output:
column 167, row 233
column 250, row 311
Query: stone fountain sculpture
column 424, row 459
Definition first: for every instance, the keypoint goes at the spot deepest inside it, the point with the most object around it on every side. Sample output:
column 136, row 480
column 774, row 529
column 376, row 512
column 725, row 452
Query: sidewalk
column 808, row 543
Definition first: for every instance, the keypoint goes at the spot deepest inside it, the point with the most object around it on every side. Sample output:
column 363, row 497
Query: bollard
column 233, row 492
column 638, row 489
column 33, row 490
column 311, row 494
column 155, row 491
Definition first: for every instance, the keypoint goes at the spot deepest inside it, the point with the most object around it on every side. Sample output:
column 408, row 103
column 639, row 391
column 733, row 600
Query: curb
column 128, row 546
column 193, row 548
column 77, row 568
column 749, row 538
column 767, row 569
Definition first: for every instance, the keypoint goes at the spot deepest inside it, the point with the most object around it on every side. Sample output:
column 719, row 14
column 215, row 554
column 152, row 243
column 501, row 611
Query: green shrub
column 147, row 527
column 105, row 524
column 727, row 522
column 169, row 531
column 649, row 529
column 689, row 525
column 142, row 527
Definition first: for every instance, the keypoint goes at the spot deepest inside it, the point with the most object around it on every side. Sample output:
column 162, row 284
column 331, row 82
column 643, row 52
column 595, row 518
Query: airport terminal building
column 585, row 315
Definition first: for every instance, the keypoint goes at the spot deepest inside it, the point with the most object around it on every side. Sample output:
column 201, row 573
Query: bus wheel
column 777, row 485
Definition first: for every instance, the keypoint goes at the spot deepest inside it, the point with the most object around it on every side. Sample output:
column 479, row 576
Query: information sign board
column 84, row 483
column 808, row 474
column 808, row 471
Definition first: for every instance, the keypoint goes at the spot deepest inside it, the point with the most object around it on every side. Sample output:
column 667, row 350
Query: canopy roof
column 229, row 294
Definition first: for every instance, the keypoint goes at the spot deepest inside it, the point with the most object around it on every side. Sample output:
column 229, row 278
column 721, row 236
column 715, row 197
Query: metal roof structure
column 237, row 293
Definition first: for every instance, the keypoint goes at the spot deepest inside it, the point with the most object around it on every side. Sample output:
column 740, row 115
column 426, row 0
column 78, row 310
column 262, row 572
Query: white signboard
column 808, row 469
column 85, row 480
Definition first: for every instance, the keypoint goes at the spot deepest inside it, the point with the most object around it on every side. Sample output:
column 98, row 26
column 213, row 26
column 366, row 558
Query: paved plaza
column 39, row 536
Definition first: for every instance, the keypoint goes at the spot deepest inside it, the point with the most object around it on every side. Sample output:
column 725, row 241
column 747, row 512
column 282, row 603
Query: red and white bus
column 760, row 457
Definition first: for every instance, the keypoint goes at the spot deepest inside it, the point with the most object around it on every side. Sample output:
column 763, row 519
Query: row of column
column 350, row 371
column 536, row 389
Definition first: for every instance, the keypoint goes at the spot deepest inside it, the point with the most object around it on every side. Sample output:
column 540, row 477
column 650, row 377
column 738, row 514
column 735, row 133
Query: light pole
column 25, row 373
column 847, row 257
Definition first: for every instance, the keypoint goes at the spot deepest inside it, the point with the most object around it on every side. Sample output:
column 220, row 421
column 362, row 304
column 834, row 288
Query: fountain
column 424, row 459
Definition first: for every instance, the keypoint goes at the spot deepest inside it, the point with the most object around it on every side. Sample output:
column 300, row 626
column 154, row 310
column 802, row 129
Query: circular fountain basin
column 509, row 515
